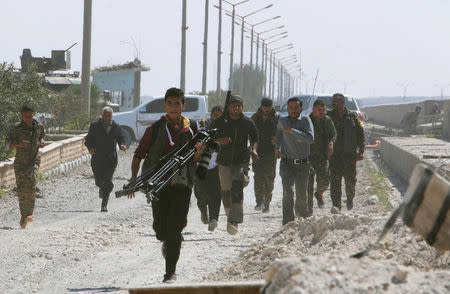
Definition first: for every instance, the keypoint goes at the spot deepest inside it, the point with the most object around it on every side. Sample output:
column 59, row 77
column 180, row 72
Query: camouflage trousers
column 264, row 170
column 342, row 166
column 319, row 171
column 26, row 178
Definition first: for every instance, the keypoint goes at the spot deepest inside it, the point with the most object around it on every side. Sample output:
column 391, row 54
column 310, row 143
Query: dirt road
column 72, row 247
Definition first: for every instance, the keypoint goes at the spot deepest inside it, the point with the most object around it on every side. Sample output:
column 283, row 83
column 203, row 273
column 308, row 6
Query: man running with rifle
column 171, row 208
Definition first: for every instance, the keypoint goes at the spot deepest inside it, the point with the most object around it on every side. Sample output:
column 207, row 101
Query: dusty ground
column 72, row 247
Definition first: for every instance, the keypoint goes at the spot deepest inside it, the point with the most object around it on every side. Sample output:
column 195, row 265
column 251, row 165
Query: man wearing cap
column 294, row 135
column 103, row 137
column 26, row 137
column 266, row 122
column 234, row 157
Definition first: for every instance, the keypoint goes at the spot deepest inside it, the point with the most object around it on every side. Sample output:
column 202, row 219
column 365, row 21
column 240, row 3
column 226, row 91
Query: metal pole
column 300, row 77
column 241, row 86
column 205, row 48
column 219, row 48
column 251, row 49
column 230, row 82
column 264, row 61
column 257, row 50
column 270, row 75
column 86, row 62
column 183, row 49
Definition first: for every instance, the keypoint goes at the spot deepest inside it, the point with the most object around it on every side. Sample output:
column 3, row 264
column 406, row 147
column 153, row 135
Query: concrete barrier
column 392, row 115
column 402, row 154
column 56, row 158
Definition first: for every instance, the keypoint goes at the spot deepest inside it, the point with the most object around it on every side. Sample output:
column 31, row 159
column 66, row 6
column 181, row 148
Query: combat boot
column 266, row 208
column 25, row 220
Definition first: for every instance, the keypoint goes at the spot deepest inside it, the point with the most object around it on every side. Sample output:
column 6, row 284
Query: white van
column 135, row 122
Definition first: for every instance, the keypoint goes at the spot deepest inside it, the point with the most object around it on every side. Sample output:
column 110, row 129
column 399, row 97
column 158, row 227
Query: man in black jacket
column 102, row 140
column 266, row 121
column 234, row 157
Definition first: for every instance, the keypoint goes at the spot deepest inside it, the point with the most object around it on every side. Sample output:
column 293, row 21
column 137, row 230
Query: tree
column 17, row 90
column 71, row 111
column 253, row 85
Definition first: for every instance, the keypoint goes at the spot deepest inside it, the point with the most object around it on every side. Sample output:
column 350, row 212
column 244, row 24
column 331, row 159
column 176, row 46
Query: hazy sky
column 372, row 46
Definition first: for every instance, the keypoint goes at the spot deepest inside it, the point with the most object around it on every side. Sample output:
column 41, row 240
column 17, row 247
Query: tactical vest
column 156, row 151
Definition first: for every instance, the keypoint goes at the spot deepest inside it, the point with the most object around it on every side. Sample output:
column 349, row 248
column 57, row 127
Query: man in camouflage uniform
column 409, row 121
column 26, row 137
column 266, row 121
column 348, row 149
column 321, row 150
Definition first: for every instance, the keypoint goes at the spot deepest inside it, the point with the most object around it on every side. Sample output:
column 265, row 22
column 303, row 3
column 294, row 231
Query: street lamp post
column 230, row 81
column 183, row 49
column 219, row 47
column 257, row 39
column 86, row 58
column 242, row 44
column 205, row 48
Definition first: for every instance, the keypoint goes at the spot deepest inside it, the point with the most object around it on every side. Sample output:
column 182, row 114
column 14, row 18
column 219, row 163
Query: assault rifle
column 153, row 180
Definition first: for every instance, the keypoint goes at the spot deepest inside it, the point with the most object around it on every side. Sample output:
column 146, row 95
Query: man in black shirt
column 234, row 157
column 266, row 121
column 102, row 140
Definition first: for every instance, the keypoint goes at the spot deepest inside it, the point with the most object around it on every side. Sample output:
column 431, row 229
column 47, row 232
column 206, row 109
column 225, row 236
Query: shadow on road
column 95, row 290
column 74, row 211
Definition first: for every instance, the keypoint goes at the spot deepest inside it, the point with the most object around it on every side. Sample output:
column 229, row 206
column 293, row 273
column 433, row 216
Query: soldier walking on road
column 207, row 191
column 171, row 208
column 26, row 137
column 348, row 149
column 234, row 157
column 266, row 122
column 294, row 135
column 321, row 150
column 102, row 140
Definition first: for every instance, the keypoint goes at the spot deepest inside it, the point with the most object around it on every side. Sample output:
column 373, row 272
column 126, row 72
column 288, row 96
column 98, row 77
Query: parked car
column 308, row 101
column 135, row 122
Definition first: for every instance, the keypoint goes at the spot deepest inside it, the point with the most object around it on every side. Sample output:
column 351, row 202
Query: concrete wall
column 402, row 154
column 56, row 157
column 392, row 115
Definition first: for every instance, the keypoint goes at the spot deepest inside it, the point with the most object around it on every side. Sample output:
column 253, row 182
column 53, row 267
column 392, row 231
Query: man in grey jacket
column 294, row 135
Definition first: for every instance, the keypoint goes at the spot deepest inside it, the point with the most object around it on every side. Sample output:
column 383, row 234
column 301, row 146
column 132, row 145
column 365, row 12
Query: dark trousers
column 264, row 170
column 294, row 175
column 103, row 174
column 342, row 166
column 207, row 192
column 169, row 219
